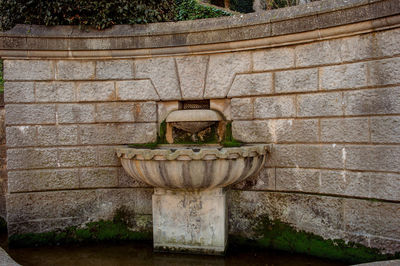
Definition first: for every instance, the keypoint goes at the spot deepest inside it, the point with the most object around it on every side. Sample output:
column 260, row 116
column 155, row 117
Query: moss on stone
column 281, row 236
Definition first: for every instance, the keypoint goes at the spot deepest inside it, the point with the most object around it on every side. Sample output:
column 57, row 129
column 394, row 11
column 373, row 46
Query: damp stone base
column 190, row 222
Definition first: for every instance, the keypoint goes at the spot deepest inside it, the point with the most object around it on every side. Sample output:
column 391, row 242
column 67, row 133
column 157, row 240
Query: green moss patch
column 281, row 236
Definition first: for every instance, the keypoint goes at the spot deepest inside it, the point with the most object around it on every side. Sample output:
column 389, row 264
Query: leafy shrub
column 190, row 9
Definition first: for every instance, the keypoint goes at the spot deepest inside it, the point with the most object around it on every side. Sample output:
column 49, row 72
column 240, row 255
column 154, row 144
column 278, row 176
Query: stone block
column 126, row 112
column 31, row 158
column 76, row 113
column 96, row 91
column 385, row 129
column 39, row 180
column 242, row 108
column 98, row 177
column 223, row 106
column 384, row 186
column 163, row 74
column 373, row 101
column 136, row 90
column 318, row 53
column 301, row 80
column 19, row 92
column 347, row 76
column 387, row 42
column 28, row 70
column 114, row 69
column 275, row 58
column 30, row 114
column 384, row 72
column 75, row 70
column 222, row 69
column 353, row 184
column 57, row 135
column 345, row 130
column 55, row 91
column 192, row 76
column 321, row 104
column 264, row 180
column 126, row 181
column 19, row 136
column 374, row 158
column 297, row 179
column 107, row 156
column 77, row 157
column 251, row 84
column 274, row 107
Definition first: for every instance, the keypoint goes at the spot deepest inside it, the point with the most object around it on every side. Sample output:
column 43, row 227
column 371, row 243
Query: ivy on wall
column 190, row 9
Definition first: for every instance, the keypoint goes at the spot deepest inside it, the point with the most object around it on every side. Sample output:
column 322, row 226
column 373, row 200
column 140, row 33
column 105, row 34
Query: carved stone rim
column 192, row 153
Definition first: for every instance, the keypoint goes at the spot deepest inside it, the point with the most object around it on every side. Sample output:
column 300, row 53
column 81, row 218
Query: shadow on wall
column 3, row 173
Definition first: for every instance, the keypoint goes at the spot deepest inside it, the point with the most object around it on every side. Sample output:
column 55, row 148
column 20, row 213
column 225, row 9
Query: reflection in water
column 142, row 254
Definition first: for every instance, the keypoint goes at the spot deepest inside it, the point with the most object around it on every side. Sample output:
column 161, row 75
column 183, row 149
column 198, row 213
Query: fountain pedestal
column 193, row 222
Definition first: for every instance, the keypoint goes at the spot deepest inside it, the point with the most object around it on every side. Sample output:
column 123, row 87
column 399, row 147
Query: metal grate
column 190, row 105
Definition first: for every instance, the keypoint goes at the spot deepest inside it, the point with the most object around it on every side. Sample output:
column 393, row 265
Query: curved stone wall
column 320, row 82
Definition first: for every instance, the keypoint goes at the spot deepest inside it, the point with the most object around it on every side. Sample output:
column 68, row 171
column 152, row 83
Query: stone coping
column 182, row 152
column 313, row 21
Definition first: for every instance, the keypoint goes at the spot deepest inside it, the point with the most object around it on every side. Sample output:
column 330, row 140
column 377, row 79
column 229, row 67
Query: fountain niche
column 190, row 175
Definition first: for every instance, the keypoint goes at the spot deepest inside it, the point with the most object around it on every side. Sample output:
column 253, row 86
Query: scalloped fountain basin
column 192, row 168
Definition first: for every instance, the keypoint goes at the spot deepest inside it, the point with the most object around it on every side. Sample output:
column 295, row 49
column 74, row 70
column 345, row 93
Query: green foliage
column 1, row 77
column 190, row 9
column 243, row 6
column 229, row 141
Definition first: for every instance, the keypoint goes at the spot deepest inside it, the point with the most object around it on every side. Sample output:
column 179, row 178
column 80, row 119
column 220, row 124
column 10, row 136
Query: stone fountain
column 189, row 201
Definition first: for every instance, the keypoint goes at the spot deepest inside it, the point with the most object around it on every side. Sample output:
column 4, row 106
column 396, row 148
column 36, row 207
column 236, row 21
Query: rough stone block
column 30, row 114
column 192, row 75
column 387, row 42
column 264, row 180
column 126, row 181
column 275, row 58
column 126, row 112
column 19, row 136
column 163, row 74
column 77, row 156
column 96, row 91
column 318, row 53
column 19, row 92
column 107, row 156
column 98, row 177
column 31, row 158
column 39, row 180
column 345, row 130
column 297, row 179
column 321, row 104
column 375, row 158
column 296, row 80
column 136, row 90
column 348, row 76
column 354, row 184
column 384, row 72
column 242, row 108
column 384, row 186
column 75, row 70
column 274, row 107
column 55, row 91
column 114, row 69
column 57, row 135
column 222, row 69
column 146, row 112
column 28, row 70
column 251, row 84
column 76, row 113
column 385, row 129
column 374, row 101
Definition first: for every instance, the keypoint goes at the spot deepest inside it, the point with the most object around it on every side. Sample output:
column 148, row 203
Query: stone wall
column 326, row 96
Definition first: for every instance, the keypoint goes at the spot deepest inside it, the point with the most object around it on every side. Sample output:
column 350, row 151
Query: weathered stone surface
column 321, row 104
column 242, row 108
column 107, row 156
column 348, row 76
column 98, row 177
column 318, row 53
column 374, row 101
column 296, row 80
column 384, row 72
column 275, row 58
column 386, row 42
column 223, row 106
column 31, row 158
column 384, row 186
column 221, row 71
column 19, row 92
column 55, row 91
column 75, row 70
column 126, row 112
column 136, row 90
column 264, row 180
column 114, row 69
column 163, row 74
column 57, row 135
column 126, row 181
column 274, row 107
column 345, row 130
column 385, row 129
column 77, row 156
column 192, row 75
column 346, row 183
column 96, row 91
column 76, row 113
column 251, row 84
column 30, row 114
column 39, row 180
column 375, row 158
column 28, row 70
column 297, row 179
column 18, row 136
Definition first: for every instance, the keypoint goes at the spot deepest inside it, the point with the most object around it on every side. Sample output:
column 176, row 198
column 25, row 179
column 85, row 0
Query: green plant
column 190, row 9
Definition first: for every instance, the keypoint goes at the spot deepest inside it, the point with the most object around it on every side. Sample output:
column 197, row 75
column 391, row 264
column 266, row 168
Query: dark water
column 142, row 254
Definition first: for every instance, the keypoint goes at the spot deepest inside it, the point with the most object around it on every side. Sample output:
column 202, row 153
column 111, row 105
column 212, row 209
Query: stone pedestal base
column 190, row 222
